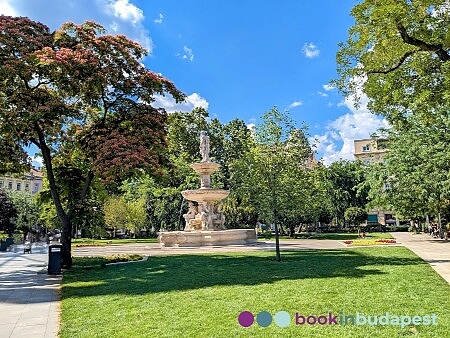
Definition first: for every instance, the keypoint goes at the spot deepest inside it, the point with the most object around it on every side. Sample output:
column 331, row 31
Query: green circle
column 264, row 318
column 282, row 319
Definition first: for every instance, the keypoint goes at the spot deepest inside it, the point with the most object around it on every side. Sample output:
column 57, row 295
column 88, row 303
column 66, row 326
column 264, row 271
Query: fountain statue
column 204, row 220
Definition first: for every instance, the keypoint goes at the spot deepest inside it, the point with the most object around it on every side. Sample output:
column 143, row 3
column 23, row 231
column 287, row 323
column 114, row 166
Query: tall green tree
column 79, row 84
column 7, row 213
column 343, row 180
column 414, row 178
column 272, row 172
column 27, row 218
column 398, row 54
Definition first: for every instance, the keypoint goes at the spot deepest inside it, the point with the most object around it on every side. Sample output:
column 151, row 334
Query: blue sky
column 238, row 59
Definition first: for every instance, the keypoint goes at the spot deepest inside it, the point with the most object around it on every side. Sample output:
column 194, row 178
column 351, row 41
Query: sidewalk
column 29, row 297
column 435, row 252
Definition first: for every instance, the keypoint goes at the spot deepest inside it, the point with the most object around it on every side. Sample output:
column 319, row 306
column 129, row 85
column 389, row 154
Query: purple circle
column 246, row 318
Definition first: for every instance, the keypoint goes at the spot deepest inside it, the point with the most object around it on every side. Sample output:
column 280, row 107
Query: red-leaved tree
column 78, row 88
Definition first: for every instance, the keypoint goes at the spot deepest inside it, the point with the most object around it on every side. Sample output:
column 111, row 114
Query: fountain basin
column 205, row 195
column 207, row 238
column 205, row 168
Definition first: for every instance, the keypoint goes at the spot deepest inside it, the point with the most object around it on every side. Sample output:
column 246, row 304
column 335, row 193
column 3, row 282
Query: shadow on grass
column 187, row 272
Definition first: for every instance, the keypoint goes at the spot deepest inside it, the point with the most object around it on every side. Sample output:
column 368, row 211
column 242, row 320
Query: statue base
column 207, row 238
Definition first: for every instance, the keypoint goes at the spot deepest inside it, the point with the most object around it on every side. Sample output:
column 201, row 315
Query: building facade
column 371, row 151
column 30, row 182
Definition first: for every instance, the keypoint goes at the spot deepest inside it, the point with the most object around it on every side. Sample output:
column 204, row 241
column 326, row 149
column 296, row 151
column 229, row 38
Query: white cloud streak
column 160, row 19
column 192, row 101
column 295, row 104
column 310, row 50
column 187, row 54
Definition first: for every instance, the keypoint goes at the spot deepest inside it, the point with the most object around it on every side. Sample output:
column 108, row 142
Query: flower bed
column 370, row 242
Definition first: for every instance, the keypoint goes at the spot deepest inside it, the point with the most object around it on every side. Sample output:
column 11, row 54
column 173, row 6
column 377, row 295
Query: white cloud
column 37, row 161
column 295, row 104
column 328, row 87
column 322, row 94
column 187, row 54
column 125, row 11
column 338, row 141
column 310, row 50
column 117, row 16
column 7, row 9
column 192, row 101
column 160, row 18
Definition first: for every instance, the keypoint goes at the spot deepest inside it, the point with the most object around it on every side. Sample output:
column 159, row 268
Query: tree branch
column 399, row 63
column 422, row 45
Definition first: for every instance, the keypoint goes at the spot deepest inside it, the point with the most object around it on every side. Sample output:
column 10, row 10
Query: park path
column 434, row 251
column 29, row 297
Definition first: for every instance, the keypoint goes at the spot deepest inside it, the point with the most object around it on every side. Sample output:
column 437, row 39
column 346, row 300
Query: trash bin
column 9, row 241
column 54, row 259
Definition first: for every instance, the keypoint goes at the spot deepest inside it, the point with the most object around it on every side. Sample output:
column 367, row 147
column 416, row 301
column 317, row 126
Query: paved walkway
column 29, row 297
column 434, row 251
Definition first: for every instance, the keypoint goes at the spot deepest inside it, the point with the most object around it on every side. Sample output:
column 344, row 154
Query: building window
column 36, row 187
column 366, row 148
column 27, row 187
column 366, row 162
column 10, row 185
column 18, row 186
column 1, row 184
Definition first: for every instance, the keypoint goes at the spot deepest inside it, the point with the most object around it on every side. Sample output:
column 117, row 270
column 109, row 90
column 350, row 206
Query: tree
column 7, row 213
column 79, row 87
column 414, row 179
column 27, row 217
column 398, row 52
column 273, row 170
column 342, row 181
column 355, row 215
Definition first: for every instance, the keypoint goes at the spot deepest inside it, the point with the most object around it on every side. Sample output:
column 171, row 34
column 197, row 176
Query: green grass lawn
column 203, row 295
column 89, row 241
column 342, row 236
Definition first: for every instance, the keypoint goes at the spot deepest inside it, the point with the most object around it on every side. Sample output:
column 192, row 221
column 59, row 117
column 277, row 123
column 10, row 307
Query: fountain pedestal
column 205, row 222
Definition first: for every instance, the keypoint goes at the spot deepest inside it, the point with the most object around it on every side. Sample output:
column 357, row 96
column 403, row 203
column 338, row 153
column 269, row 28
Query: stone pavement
column 29, row 297
column 434, row 251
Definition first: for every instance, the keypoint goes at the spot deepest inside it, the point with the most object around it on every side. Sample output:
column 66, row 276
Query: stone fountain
column 204, row 221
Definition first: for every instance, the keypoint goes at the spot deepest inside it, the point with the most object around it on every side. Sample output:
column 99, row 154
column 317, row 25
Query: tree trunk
column 277, row 238
column 66, row 230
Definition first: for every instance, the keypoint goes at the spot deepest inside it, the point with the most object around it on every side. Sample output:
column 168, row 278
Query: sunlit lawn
column 341, row 236
column 95, row 241
column 203, row 295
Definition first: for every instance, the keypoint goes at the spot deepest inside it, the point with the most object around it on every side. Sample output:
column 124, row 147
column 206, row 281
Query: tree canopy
column 398, row 53
column 7, row 213
column 79, row 92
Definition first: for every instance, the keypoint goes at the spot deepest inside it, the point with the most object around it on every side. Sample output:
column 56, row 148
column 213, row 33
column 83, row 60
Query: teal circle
column 282, row 319
column 264, row 318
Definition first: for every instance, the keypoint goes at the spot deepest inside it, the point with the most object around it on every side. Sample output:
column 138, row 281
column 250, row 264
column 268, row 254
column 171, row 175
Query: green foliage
column 122, row 214
column 397, row 53
column 27, row 218
column 355, row 215
column 7, row 213
column 84, row 99
column 343, row 181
